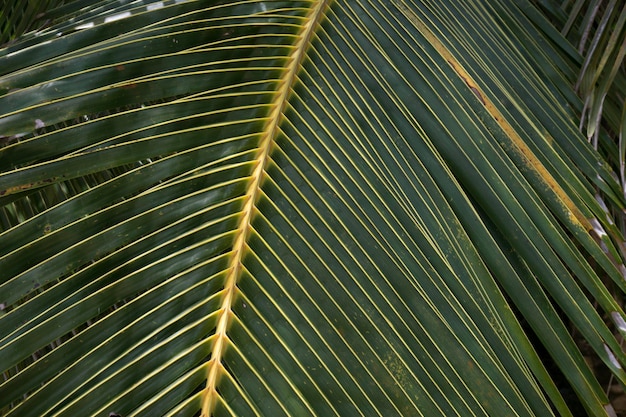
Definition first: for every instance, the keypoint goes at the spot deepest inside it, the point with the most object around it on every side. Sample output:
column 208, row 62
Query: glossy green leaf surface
column 300, row 208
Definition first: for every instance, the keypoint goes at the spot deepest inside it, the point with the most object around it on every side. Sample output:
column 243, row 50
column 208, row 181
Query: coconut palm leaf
column 598, row 31
column 19, row 16
column 301, row 207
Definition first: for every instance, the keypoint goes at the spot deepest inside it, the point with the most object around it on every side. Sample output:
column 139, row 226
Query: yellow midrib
column 210, row 395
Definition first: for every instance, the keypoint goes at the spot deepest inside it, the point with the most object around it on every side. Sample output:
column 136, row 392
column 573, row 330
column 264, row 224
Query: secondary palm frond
column 20, row 16
column 301, row 208
column 598, row 32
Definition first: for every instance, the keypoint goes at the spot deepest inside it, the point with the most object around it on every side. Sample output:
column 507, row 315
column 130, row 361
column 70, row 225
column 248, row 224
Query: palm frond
column 301, row 208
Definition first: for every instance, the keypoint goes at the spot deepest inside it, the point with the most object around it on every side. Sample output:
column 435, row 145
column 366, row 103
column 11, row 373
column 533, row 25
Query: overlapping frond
column 597, row 31
column 300, row 208
column 19, row 16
